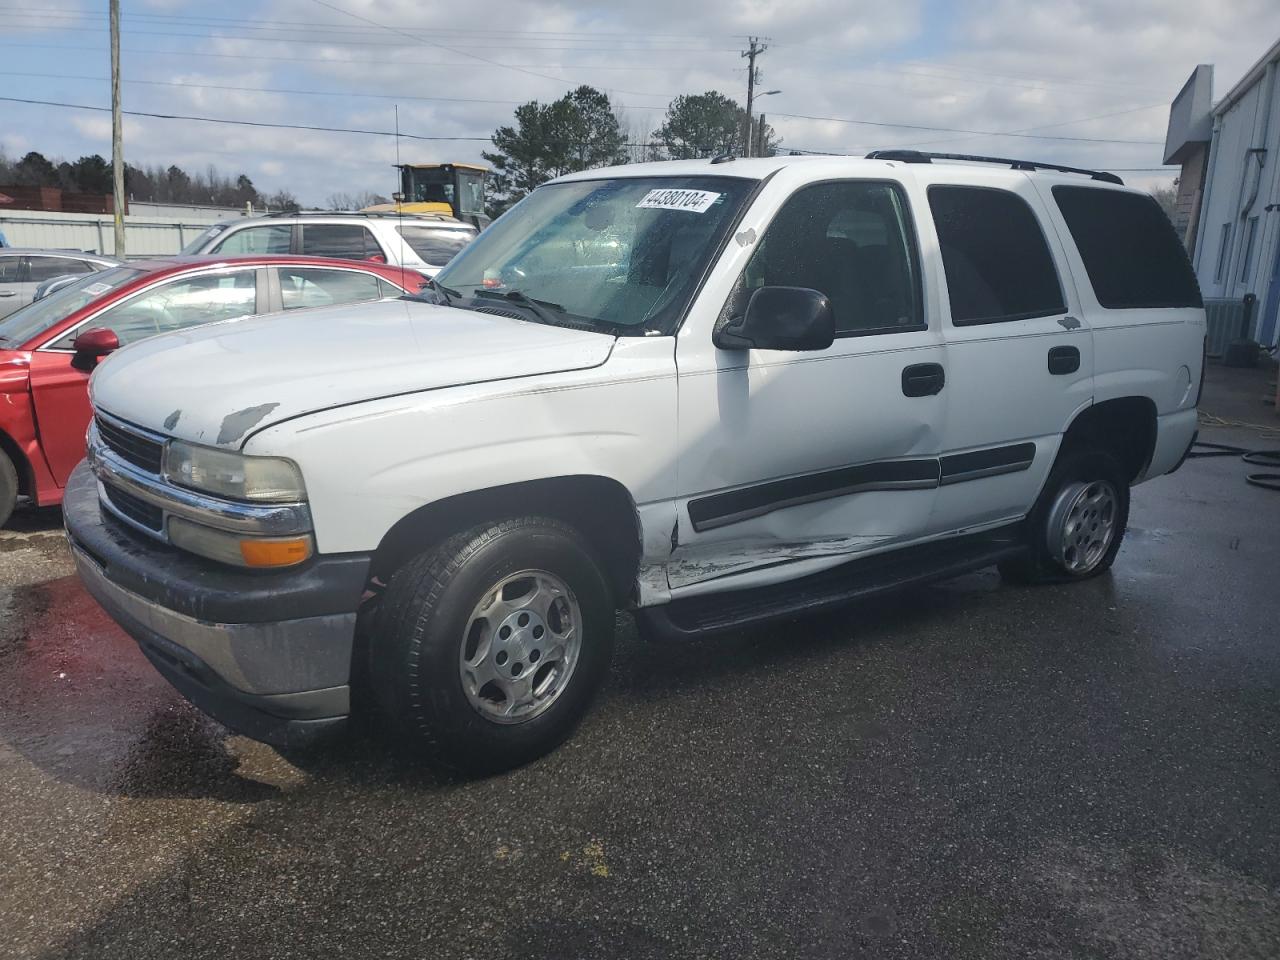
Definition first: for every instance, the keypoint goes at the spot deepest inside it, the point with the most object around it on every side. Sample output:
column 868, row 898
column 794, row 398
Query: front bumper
column 267, row 654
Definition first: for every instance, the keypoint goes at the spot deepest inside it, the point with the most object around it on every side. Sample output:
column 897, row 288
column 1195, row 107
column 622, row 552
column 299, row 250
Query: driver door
column 60, row 391
column 791, row 462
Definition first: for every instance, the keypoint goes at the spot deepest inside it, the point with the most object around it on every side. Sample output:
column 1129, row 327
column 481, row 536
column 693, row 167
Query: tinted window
column 46, row 268
column 851, row 241
column 343, row 241
column 435, row 245
column 1130, row 250
column 995, row 256
column 255, row 241
column 1224, row 247
column 10, row 269
column 182, row 303
column 317, row 287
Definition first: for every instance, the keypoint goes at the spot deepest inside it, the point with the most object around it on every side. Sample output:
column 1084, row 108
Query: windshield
column 622, row 255
column 33, row 319
column 202, row 239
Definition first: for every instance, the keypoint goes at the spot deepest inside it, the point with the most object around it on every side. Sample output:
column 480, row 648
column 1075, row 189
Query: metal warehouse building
column 1229, row 189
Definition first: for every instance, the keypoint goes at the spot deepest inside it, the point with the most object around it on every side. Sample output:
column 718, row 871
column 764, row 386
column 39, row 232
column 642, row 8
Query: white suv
column 423, row 242
column 710, row 393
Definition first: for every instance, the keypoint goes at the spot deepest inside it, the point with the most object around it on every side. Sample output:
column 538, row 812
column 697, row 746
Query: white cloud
column 996, row 65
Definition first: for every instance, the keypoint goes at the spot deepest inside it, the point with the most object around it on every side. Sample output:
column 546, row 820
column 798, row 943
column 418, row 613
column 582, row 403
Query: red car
column 49, row 348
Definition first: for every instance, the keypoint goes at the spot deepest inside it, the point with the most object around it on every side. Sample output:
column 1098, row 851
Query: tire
column 1078, row 523
column 8, row 488
column 446, row 677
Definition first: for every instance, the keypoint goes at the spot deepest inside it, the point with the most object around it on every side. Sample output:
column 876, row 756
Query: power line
column 460, row 49
column 281, row 126
column 474, row 56
column 326, row 61
column 982, row 133
column 79, row 13
column 310, row 93
column 1044, row 126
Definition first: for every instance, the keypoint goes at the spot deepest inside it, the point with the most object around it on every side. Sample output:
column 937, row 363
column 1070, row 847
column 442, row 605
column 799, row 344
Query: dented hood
column 218, row 383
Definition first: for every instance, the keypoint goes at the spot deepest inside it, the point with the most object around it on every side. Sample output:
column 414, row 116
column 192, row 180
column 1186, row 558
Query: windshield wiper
column 554, row 314
column 547, row 312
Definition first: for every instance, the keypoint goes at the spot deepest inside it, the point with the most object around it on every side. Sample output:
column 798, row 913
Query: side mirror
column 781, row 318
column 92, row 345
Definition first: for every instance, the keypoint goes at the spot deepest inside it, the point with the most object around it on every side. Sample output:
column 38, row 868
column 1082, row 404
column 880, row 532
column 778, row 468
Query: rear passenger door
column 1019, row 356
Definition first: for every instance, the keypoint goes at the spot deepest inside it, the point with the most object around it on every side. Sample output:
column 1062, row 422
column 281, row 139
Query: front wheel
column 488, row 650
column 8, row 488
column 1075, row 530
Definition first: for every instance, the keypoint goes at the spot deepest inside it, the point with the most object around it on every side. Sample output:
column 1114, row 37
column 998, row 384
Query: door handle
column 923, row 379
column 1063, row 360
column 8, row 293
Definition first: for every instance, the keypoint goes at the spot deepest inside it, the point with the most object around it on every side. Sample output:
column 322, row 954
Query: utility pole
column 754, row 50
column 117, row 149
column 758, row 149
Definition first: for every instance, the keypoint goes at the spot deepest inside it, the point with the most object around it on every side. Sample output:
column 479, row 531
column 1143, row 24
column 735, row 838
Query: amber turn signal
column 275, row 553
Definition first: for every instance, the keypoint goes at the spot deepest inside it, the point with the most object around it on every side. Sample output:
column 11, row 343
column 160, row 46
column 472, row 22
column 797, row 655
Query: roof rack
column 917, row 156
column 361, row 213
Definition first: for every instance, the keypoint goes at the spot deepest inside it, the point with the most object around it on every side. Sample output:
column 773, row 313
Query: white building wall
column 1237, row 190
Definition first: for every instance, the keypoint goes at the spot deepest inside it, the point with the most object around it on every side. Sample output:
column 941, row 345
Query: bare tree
column 1167, row 197
column 354, row 201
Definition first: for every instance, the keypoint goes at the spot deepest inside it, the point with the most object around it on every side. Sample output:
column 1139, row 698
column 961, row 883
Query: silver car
column 23, row 270
column 422, row 242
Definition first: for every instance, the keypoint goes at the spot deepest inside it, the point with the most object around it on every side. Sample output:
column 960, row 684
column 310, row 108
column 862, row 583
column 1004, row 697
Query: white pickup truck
column 708, row 392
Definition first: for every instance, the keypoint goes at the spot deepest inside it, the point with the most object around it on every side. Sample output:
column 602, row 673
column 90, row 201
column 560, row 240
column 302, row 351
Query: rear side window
column 46, row 268
column 435, row 245
column 343, row 241
column 1130, row 250
column 996, row 259
column 302, row 287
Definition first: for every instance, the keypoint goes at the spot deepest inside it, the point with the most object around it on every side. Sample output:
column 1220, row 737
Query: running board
column 856, row 580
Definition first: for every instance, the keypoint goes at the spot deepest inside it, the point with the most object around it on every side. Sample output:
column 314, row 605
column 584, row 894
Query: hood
column 218, row 383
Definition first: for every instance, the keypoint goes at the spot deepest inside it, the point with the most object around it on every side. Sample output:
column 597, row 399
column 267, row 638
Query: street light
column 755, row 128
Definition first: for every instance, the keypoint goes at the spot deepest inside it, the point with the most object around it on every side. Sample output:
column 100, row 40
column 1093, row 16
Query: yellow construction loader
column 452, row 189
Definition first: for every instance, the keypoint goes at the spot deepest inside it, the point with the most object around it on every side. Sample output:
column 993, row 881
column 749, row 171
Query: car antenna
column 400, row 201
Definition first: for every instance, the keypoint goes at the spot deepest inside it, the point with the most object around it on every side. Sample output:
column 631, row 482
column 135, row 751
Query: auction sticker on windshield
column 694, row 201
column 97, row 288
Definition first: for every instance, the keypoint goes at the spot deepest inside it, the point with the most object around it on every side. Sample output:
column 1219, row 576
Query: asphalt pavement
column 966, row 770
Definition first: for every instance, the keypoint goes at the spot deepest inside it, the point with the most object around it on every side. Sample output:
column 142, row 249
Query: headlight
column 233, row 475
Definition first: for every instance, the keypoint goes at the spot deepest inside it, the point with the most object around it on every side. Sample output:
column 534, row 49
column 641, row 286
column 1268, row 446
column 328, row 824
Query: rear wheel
column 488, row 650
column 8, row 488
column 1075, row 530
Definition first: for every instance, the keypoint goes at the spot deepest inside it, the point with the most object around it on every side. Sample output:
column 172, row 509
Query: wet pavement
column 965, row 770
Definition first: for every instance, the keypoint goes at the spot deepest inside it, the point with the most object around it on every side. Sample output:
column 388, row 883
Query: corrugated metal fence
column 144, row 236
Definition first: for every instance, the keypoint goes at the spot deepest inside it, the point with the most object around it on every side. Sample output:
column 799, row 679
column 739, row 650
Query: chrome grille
column 136, row 509
column 137, row 449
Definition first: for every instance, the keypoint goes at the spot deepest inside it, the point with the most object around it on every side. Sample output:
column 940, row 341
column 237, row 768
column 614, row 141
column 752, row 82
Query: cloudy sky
column 1085, row 82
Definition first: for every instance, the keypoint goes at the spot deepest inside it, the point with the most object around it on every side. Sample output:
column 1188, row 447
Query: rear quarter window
column 1130, row 250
